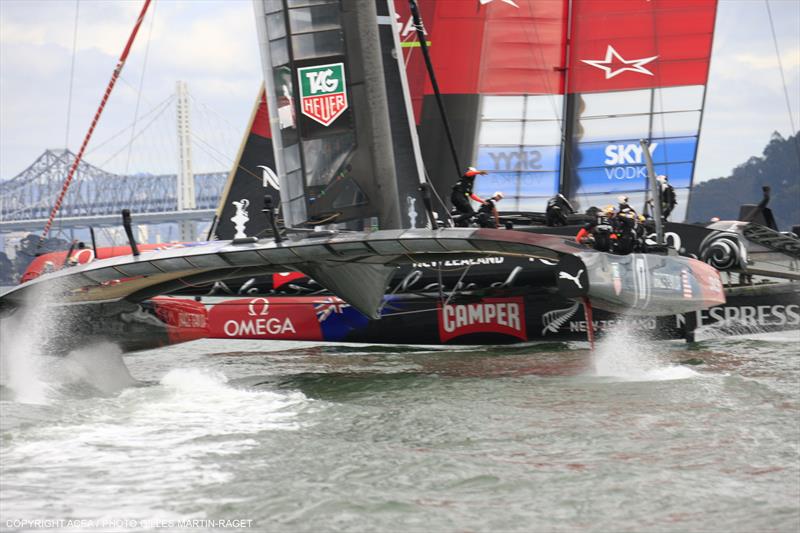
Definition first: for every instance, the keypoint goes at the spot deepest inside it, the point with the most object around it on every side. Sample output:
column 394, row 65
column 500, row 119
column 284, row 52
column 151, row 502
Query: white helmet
column 498, row 195
column 661, row 178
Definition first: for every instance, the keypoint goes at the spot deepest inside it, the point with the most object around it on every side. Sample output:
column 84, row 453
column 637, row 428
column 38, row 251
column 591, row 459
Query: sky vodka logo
column 626, row 161
column 323, row 97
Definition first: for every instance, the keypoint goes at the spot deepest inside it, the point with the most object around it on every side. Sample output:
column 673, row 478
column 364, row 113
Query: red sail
column 637, row 44
column 505, row 67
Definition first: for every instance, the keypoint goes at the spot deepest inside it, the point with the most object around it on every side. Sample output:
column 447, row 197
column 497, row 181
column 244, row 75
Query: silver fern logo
column 553, row 320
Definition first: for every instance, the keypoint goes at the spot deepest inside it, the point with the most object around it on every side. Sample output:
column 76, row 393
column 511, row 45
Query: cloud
column 211, row 45
column 790, row 59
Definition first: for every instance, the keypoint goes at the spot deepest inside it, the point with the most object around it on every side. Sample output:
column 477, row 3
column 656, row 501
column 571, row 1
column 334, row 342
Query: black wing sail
column 345, row 149
column 251, row 178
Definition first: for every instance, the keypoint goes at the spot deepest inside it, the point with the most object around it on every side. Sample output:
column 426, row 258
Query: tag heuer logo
column 322, row 92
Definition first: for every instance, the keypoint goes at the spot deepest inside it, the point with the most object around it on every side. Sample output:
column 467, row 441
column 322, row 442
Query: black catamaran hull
column 411, row 319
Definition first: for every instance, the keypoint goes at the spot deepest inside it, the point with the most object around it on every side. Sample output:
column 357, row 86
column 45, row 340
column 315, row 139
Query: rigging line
column 661, row 110
column 72, row 71
column 87, row 138
column 543, row 63
column 439, row 199
column 420, row 29
column 407, row 57
column 455, row 287
column 783, row 77
column 411, row 312
column 141, row 86
column 71, row 79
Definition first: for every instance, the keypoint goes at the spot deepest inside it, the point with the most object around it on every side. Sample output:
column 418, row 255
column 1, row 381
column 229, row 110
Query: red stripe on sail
column 261, row 120
column 625, row 44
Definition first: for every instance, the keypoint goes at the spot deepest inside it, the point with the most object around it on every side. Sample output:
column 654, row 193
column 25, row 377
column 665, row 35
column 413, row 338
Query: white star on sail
column 612, row 56
column 509, row 2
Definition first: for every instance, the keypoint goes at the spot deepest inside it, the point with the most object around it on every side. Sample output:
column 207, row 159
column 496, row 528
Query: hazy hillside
column 779, row 168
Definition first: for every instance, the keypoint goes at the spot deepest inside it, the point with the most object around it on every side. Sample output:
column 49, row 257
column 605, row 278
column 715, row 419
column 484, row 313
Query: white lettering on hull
column 260, row 327
column 502, row 314
column 747, row 316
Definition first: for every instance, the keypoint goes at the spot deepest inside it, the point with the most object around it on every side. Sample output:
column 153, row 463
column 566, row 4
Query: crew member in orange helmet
column 462, row 192
column 600, row 232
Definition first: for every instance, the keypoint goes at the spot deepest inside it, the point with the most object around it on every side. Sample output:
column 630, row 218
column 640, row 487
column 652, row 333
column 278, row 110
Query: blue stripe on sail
column 630, row 178
column 518, row 158
column 514, row 184
column 629, row 153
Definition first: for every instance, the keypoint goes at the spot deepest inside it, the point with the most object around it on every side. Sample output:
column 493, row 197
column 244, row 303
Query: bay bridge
column 97, row 196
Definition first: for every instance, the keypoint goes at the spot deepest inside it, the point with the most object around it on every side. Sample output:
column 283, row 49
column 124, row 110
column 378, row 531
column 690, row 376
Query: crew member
column 599, row 232
column 625, row 232
column 666, row 195
column 641, row 234
column 462, row 192
column 487, row 213
column 625, row 207
column 558, row 207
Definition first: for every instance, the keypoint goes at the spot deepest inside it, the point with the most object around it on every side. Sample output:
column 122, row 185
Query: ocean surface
column 290, row 436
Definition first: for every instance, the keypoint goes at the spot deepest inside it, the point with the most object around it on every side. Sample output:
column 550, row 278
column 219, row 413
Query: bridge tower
column 185, row 185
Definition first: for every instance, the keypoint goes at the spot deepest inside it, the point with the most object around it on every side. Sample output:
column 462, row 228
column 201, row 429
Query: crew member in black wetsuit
column 462, row 192
column 625, row 229
column 625, row 207
column 666, row 195
column 761, row 208
column 558, row 207
column 598, row 233
column 487, row 213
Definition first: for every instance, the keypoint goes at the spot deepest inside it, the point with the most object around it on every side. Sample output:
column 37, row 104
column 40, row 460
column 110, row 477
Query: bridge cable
column 76, row 162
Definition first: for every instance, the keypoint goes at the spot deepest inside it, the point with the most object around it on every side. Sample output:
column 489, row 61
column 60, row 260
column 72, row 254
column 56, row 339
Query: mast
column 654, row 192
column 382, row 153
column 345, row 149
column 567, row 117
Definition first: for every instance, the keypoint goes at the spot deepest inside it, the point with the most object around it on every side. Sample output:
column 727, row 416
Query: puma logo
column 566, row 275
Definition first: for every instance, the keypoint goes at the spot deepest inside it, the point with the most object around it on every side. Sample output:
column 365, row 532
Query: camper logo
column 322, row 92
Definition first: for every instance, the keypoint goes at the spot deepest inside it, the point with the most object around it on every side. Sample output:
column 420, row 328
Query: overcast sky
column 212, row 45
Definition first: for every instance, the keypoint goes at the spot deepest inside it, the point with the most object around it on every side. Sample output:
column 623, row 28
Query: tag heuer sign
column 322, row 92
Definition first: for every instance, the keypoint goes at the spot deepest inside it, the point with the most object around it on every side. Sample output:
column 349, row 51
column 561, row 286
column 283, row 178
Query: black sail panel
column 250, row 180
column 338, row 133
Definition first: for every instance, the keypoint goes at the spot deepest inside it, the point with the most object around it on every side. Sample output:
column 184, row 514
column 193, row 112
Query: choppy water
column 303, row 437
